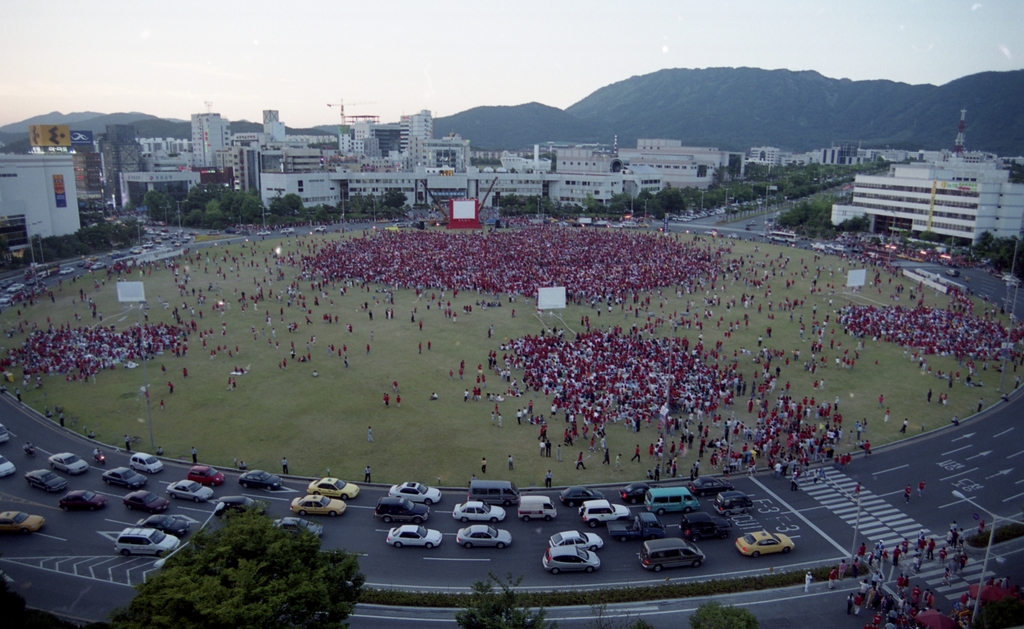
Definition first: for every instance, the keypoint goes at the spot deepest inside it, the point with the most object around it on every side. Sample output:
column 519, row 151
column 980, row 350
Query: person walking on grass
column 579, row 462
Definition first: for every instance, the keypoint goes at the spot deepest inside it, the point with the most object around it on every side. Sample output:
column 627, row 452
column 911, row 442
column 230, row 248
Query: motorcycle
column 100, row 457
column 29, row 449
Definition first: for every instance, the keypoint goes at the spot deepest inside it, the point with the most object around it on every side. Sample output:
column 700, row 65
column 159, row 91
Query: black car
column 175, row 525
column 394, row 509
column 633, row 493
column 146, row 501
column 237, row 504
column 698, row 524
column 573, row 496
column 124, row 477
column 46, row 480
column 260, row 479
column 708, row 485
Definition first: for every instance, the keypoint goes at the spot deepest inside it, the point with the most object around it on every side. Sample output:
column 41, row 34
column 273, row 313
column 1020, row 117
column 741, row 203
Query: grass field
column 320, row 423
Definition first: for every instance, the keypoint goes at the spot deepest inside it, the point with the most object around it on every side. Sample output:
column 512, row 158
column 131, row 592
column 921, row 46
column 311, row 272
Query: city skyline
column 400, row 57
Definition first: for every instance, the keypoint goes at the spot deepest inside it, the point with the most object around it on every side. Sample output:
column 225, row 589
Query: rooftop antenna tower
column 209, row 106
column 958, row 144
column 615, row 145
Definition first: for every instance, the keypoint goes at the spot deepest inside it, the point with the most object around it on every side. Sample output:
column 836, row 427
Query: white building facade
column 210, row 133
column 38, row 198
column 955, row 199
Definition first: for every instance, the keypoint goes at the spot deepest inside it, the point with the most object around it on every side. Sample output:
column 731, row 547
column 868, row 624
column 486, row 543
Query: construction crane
column 341, row 108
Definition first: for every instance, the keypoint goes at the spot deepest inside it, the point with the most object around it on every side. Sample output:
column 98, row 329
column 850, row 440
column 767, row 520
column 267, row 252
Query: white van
column 531, row 507
column 142, row 541
column 142, row 462
column 288, row 230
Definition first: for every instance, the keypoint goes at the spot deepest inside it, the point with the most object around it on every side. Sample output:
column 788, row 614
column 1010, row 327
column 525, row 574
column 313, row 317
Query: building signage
column 58, row 191
column 49, row 135
column 81, row 138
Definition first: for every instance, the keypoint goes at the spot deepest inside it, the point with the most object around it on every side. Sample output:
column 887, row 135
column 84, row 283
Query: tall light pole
column 1013, row 306
column 988, row 549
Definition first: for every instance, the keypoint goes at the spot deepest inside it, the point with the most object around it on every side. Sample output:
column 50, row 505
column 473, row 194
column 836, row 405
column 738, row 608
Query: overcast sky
column 395, row 57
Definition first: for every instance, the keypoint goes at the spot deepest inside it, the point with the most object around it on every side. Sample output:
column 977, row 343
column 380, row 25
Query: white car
column 416, row 492
column 67, row 270
column 4, row 435
column 596, row 512
column 6, row 467
column 264, row 232
column 478, row 511
column 15, row 288
column 320, row 230
column 483, row 535
column 142, row 462
column 414, row 535
column 576, row 538
column 70, row 463
column 190, row 490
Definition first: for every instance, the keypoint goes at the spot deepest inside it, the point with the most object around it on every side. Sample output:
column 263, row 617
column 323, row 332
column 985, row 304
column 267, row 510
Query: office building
column 210, row 133
column 121, row 153
column 38, row 199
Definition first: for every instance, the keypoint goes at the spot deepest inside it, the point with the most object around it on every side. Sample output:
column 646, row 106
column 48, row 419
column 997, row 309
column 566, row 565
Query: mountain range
column 729, row 108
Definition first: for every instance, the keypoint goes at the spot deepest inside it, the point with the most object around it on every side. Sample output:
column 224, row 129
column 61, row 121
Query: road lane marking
column 967, row 436
column 980, row 454
column 999, row 473
column 64, row 540
column 813, row 526
column 1002, row 433
column 1017, row 454
column 967, row 447
column 891, row 469
column 1012, row 497
column 960, row 474
column 263, row 496
column 451, row 559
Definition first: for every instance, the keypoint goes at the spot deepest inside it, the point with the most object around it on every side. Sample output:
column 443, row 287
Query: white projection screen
column 464, row 209
column 130, row 292
column 551, row 298
column 856, row 277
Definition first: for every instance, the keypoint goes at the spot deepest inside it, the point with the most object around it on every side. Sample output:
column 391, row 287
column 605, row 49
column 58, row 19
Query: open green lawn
column 321, row 423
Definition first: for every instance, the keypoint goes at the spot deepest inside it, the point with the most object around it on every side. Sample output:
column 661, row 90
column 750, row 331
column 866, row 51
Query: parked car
column 575, row 495
column 390, row 509
column 173, row 524
column 596, row 512
column 483, row 535
column 708, row 486
column 670, row 552
column 206, row 475
column 570, row 559
column 146, row 501
column 190, row 490
column 142, row 462
column 81, row 499
column 124, row 477
column 237, row 504
column 139, row 541
column 297, row 525
column 46, row 480
column 20, row 522
column 416, row 492
column 260, row 480
column 477, row 511
column 764, row 543
column 633, row 493
column 414, row 535
column 318, row 505
column 590, row 541
column 67, row 462
column 334, row 488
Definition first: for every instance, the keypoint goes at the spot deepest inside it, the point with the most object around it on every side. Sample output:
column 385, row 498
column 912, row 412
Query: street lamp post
column 988, row 550
column 1013, row 307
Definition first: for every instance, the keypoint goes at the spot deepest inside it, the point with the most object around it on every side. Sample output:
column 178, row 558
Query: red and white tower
column 958, row 144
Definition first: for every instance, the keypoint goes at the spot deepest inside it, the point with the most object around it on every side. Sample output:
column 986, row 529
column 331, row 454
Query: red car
column 82, row 499
column 206, row 475
column 146, row 501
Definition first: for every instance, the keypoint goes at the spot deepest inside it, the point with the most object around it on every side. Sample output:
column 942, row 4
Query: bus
column 40, row 271
column 782, row 236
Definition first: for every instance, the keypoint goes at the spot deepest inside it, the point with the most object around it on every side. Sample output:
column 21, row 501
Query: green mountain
column 736, row 108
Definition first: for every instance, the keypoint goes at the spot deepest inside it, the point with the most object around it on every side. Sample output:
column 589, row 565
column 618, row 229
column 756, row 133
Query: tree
column 1008, row 612
column 491, row 609
column 247, row 574
column 394, row 199
column 716, row 616
column 157, row 205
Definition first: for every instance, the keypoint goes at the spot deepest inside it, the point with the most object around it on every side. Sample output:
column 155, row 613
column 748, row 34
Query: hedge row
column 598, row 597
column 1003, row 533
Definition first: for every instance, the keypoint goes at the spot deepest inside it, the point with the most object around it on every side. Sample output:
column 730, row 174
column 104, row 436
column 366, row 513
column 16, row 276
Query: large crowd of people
column 589, row 263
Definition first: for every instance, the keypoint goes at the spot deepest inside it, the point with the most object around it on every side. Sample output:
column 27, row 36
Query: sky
column 394, row 57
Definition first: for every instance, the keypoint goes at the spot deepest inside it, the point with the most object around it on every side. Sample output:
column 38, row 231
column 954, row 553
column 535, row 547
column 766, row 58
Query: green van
column 661, row 500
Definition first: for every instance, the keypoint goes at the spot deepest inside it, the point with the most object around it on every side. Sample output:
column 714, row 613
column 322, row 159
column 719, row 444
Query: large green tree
column 499, row 608
column 716, row 616
column 247, row 574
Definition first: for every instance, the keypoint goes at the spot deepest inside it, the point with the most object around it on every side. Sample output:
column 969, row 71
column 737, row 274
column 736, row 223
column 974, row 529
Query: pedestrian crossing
column 878, row 521
column 959, row 582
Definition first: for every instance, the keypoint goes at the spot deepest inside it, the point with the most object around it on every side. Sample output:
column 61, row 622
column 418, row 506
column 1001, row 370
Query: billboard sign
column 81, row 138
column 49, row 135
column 59, row 193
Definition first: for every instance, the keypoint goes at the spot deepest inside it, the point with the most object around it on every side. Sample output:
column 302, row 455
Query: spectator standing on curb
column 510, row 463
column 284, row 465
column 832, row 578
column 127, row 443
column 483, row 465
column 547, row 480
column 807, row 581
column 194, row 456
column 366, row 474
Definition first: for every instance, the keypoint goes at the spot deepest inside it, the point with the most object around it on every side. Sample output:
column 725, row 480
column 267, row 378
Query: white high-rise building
column 272, row 125
column 419, row 126
column 210, row 133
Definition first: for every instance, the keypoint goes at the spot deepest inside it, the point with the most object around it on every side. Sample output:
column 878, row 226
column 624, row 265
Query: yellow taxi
column 764, row 543
column 333, row 487
column 20, row 522
column 318, row 505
